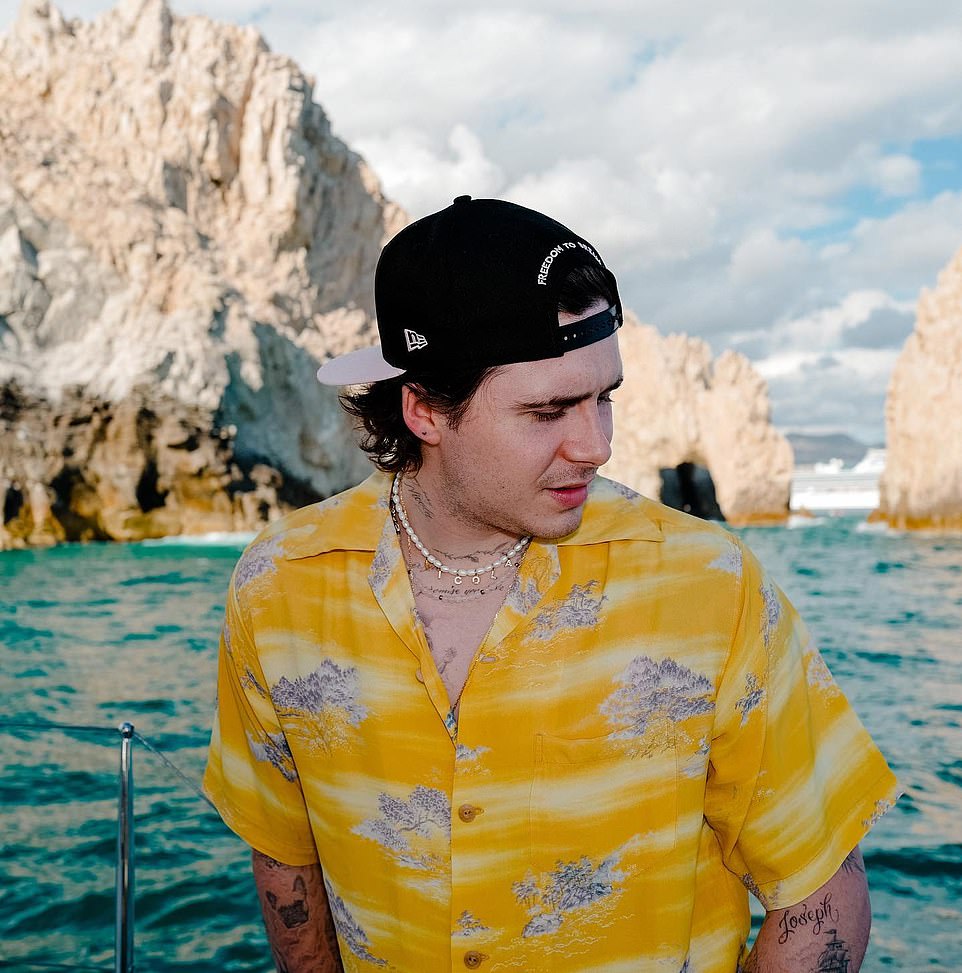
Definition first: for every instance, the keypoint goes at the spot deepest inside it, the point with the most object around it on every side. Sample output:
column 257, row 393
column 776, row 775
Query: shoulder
column 616, row 512
column 352, row 520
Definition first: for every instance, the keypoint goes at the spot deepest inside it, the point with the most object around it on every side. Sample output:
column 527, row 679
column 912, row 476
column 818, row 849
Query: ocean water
column 94, row 635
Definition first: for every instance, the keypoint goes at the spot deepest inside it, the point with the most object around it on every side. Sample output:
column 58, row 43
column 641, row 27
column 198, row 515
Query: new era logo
column 414, row 340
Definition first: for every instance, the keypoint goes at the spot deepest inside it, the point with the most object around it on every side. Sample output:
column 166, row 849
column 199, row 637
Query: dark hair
column 377, row 407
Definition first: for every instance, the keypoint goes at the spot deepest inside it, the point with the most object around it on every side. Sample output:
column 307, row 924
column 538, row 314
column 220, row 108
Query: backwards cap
column 474, row 285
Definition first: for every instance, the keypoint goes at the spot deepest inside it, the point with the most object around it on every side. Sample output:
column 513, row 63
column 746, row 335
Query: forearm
column 297, row 916
column 831, row 923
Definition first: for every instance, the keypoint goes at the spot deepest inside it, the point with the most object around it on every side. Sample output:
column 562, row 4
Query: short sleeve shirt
column 646, row 732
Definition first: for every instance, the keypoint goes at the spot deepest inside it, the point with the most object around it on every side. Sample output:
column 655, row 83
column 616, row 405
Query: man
column 488, row 710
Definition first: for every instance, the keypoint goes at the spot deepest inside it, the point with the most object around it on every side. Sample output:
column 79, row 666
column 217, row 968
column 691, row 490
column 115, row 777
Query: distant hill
column 819, row 448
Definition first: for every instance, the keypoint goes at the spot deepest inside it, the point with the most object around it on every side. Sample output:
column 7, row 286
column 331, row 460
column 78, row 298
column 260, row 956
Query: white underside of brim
column 359, row 367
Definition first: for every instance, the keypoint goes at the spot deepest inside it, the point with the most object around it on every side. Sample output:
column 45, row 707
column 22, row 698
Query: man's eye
column 548, row 416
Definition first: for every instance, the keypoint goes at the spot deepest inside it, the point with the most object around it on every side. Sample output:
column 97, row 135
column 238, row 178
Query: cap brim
column 359, row 367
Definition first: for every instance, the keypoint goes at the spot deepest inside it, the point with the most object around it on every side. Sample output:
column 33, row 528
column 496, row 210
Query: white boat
column 831, row 488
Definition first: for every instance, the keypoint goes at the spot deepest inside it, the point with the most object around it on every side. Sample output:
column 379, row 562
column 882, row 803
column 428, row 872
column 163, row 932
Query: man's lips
column 570, row 495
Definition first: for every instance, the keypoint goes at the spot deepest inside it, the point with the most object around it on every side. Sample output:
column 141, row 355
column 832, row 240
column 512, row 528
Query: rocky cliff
column 181, row 235
column 922, row 483
column 182, row 238
column 679, row 409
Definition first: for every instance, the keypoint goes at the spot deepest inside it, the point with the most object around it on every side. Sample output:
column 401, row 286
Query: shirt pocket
column 608, row 801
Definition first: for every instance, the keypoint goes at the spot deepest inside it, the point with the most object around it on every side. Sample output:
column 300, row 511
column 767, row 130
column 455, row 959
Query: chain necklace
column 459, row 574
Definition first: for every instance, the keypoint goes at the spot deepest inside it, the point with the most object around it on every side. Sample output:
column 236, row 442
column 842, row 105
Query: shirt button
column 473, row 959
column 468, row 812
column 419, row 676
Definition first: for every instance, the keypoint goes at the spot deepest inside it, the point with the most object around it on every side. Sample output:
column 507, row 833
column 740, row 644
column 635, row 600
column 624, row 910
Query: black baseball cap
column 474, row 285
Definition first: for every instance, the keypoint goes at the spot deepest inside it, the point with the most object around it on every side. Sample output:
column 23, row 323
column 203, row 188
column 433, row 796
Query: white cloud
column 842, row 391
column 898, row 175
column 764, row 256
column 429, row 177
column 826, row 371
column 905, row 251
column 645, row 217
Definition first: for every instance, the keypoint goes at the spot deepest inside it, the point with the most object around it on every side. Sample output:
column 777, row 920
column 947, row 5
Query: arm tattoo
column 805, row 916
column 297, row 917
column 295, row 912
column 835, row 956
column 853, row 862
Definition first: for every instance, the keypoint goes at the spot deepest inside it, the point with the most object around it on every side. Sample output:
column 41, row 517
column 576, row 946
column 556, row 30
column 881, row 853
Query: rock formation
column 679, row 407
column 180, row 233
column 182, row 238
column 92, row 470
column 922, row 482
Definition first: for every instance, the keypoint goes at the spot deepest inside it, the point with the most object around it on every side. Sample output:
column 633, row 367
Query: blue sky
column 774, row 177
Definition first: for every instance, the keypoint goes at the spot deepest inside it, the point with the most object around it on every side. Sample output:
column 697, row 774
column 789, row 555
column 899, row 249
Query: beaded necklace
column 459, row 574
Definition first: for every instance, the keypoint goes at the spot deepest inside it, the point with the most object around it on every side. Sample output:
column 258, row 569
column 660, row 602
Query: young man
column 488, row 710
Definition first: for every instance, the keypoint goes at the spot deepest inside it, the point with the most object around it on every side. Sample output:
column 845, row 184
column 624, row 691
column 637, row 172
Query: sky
column 773, row 177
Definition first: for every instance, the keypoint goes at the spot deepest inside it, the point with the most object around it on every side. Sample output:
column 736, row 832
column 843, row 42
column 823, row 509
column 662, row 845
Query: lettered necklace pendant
column 476, row 579
column 457, row 579
column 440, row 576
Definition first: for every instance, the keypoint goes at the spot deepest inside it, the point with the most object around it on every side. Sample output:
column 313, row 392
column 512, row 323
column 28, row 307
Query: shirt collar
column 349, row 521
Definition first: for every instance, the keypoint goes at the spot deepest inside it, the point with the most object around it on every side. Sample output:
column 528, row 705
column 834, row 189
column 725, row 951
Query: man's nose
column 589, row 439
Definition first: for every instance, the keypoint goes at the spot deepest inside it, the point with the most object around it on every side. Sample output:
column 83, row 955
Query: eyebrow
column 566, row 402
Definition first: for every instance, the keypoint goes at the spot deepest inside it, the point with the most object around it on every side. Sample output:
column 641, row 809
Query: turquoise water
column 97, row 635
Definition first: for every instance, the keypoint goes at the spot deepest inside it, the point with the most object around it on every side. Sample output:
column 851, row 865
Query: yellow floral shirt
column 646, row 732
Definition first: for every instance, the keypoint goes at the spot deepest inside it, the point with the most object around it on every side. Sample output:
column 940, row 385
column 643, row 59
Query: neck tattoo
column 398, row 513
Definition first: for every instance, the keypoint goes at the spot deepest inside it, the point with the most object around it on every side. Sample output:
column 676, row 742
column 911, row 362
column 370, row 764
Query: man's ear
column 423, row 421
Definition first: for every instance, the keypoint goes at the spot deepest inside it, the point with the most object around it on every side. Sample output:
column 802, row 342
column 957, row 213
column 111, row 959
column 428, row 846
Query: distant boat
column 830, row 488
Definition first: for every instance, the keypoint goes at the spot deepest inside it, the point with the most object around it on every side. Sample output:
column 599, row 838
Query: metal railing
column 125, row 866
column 124, row 915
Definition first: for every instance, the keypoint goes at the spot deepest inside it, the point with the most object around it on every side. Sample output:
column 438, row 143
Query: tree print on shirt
column 349, row 930
column 324, row 704
column 409, row 830
column 469, row 925
column 768, row 899
column 580, row 609
column 624, row 491
column 273, row 749
column 523, row 595
column 653, row 695
column 570, row 887
column 385, row 559
column 772, row 612
column 470, row 758
column 754, row 694
column 817, row 674
column 257, row 561
column 881, row 808
column 730, row 561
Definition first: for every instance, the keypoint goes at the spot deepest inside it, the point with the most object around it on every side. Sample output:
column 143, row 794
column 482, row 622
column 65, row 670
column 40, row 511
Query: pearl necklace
column 458, row 573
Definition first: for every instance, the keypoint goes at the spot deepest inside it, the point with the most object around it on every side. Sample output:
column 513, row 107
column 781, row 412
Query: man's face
column 531, row 440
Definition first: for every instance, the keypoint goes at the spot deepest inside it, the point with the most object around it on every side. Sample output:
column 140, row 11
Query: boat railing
column 125, row 862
